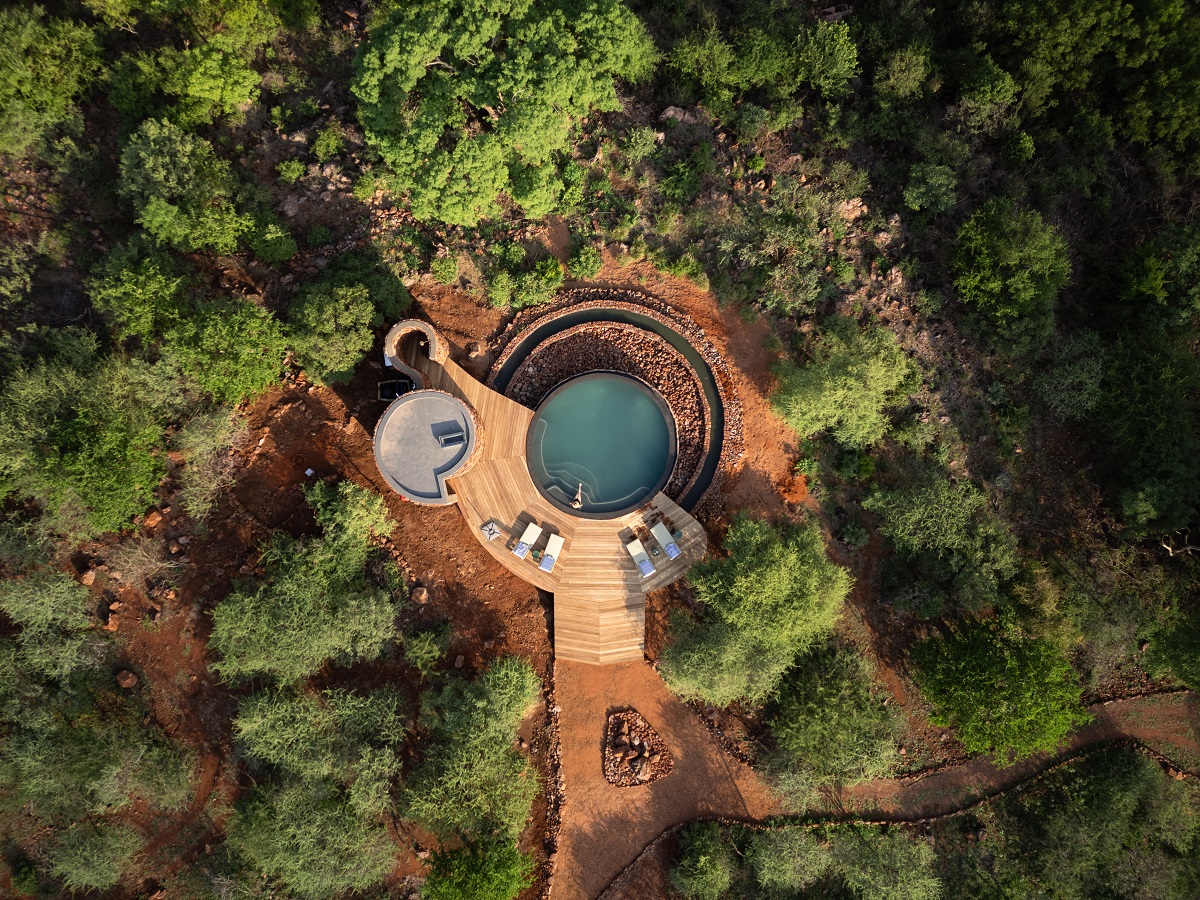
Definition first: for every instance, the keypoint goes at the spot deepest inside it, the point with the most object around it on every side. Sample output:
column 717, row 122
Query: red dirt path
column 604, row 827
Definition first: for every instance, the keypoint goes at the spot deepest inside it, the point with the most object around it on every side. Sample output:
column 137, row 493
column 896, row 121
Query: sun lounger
column 532, row 532
column 665, row 540
column 553, row 549
column 638, row 552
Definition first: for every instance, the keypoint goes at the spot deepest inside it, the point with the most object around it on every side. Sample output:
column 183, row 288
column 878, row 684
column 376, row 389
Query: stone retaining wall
column 638, row 357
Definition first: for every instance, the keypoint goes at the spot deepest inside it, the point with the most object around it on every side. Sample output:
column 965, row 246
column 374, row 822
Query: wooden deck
column 599, row 594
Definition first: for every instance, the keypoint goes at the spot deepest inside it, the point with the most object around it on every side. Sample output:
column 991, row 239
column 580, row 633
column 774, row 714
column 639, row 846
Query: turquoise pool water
column 716, row 424
column 607, row 432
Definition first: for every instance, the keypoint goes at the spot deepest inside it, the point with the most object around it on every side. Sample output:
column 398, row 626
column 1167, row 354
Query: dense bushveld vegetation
column 972, row 229
column 1111, row 825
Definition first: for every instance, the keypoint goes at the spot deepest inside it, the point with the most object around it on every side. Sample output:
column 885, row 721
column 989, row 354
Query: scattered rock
column 153, row 519
column 89, row 577
column 126, row 679
column 420, row 595
column 459, row 661
column 672, row 112
column 625, row 765
column 174, row 546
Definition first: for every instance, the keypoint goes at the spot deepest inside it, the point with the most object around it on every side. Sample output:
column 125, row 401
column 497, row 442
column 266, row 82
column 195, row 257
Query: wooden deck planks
column 599, row 594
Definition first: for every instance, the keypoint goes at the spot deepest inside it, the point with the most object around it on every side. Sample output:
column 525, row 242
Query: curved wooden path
column 599, row 594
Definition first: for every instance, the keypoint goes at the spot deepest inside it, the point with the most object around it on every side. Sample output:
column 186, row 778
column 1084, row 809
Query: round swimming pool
column 605, row 438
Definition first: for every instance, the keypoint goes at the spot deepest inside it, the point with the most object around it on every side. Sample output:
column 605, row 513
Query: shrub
column 787, row 859
column 1072, row 387
column 425, row 649
column 769, row 599
column 94, row 857
column 56, row 638
column 1009, row 267
column 330, row 141
column 888, row 865
column 487, row 870
column 45, row 64
column 827, row 58
column 497, row 112
column 319, row 236
column 936, row 518
column 205, row 440
column 290, row 171
column 181, row 189
column 585, row 262
column 209, row 80
column 537, row 286
column 444, row 269
column 852, row 377
column 931, row 188
column 1007, row 696
column 334, row 735
column 471, row 781
column 231, row 348
column 319, row 603
column 829, row 726
column 308, row 836
column 707, row 868
column 331, row 330
column 271, row 242
column 140, row 294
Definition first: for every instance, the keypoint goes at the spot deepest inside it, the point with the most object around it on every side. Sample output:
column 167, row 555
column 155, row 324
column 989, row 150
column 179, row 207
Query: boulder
column 126, row 679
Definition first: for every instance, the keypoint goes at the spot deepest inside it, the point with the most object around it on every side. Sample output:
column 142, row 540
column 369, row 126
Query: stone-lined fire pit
column 633, row 752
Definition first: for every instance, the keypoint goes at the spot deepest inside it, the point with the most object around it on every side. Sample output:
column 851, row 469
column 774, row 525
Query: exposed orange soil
column 604, row 827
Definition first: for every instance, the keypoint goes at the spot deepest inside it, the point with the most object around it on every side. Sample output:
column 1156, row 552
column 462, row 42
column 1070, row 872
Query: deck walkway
column 599, row 595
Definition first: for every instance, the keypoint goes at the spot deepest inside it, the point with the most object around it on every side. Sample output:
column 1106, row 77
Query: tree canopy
column 853, row 376
column 1007, row 695
column 466, row 99
column 769, row 599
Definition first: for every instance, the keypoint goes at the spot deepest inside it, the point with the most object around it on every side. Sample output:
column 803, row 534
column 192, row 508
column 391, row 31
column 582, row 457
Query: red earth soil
column 605, row 827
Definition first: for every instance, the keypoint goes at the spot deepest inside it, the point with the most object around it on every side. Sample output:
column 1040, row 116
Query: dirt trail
column 603, row 827
column 1165, row 725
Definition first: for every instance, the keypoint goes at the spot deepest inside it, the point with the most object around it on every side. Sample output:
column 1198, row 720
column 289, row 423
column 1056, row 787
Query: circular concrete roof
column 423, row 438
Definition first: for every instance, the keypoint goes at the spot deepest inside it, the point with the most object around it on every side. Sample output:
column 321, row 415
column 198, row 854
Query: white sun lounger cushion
column 532, row 532
column 665, row 540
column 553, row 549
column 638, row 552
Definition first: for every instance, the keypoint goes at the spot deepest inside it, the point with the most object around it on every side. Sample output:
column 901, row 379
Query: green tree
column 210, row 80
column 319, row 603
column 851, row 378
column 1008, row 696
column 80, row 434
column 829, row 726
column 466, row 100
column 707, row 867
column 471, row 781
column 769, row 599
column 1009, row 266
column 787, row 859
column 56, row 638
column 307, row 835
column 487, row 870
column 931, row 188
column 828, row 58
column 885, row 865
column 231, row 349
column 139, row 293
column 181, row 190
column 45, row 64
column 334, row 735
column 331, row 330
column 93, row 857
